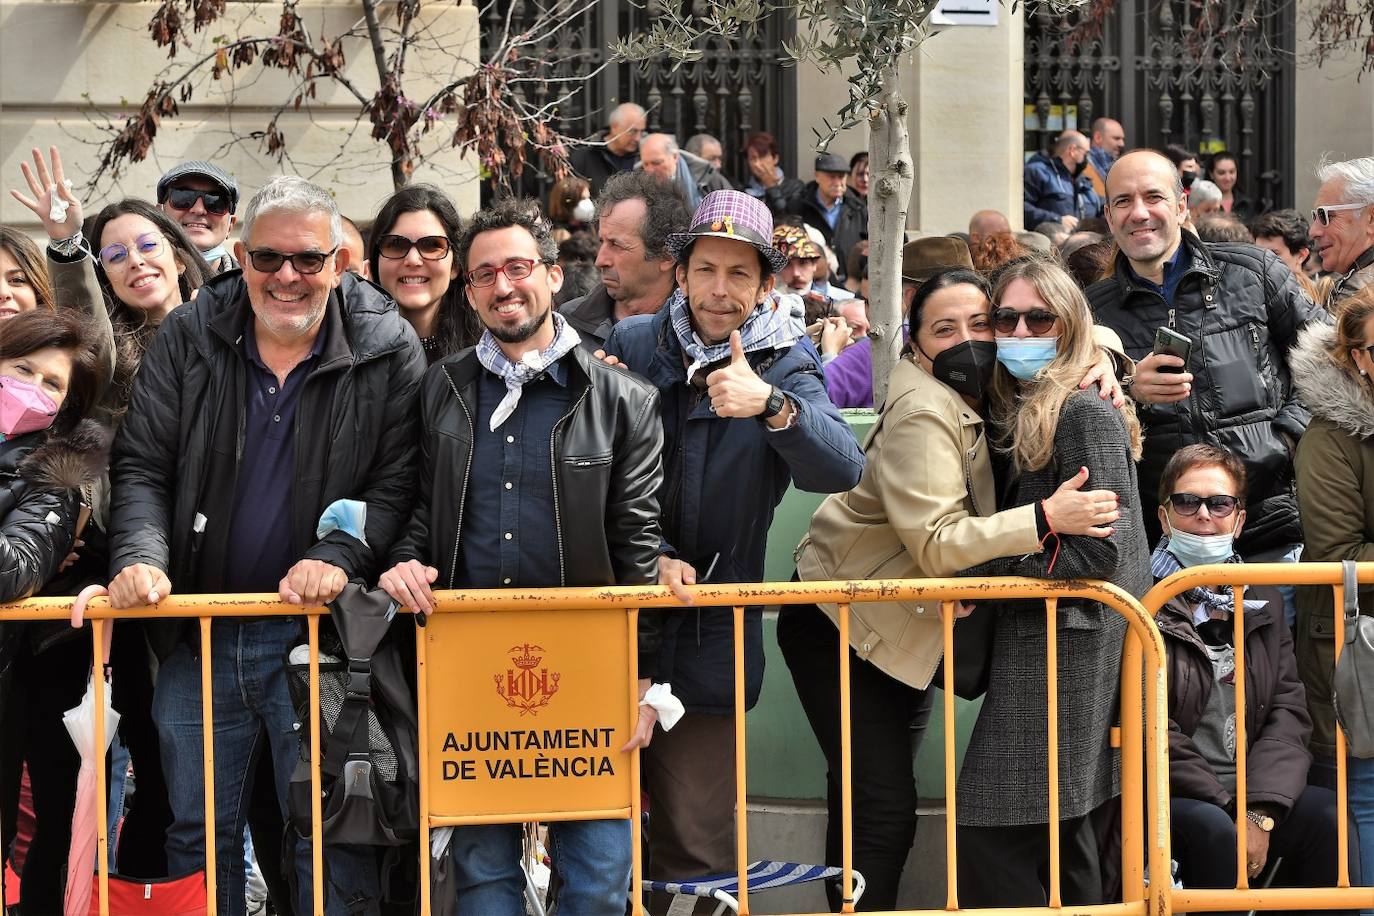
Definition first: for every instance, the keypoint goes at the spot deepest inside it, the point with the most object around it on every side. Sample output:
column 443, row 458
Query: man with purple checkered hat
column 745, row 414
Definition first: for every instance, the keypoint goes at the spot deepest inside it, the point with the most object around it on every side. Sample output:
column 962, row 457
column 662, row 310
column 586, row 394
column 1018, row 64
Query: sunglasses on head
column 1038, row 321
column 1187, row 504
column 395, row 247
column 265, row 260
column 216, row 202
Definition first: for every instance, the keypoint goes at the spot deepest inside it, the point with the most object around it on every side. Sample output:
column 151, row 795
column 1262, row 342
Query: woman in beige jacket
column 925, row 507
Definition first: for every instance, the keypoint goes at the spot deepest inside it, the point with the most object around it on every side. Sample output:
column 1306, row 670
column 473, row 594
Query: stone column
column 965, row 122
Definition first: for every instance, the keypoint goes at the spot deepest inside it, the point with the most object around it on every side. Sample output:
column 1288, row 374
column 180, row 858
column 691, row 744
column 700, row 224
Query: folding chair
column 762, row 876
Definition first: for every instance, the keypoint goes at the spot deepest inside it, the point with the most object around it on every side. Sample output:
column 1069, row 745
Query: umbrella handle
column 79, row 612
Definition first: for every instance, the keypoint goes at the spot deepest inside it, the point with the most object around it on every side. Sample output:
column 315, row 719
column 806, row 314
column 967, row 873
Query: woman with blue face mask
column 1287, row 822
column 926, row 506
column 1043, row 429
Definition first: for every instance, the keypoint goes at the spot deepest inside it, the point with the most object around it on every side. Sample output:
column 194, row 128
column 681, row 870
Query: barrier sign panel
column 528, row 711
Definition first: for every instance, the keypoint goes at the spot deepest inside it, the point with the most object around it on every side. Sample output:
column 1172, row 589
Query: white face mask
column 1199, row 549
column 585, row 211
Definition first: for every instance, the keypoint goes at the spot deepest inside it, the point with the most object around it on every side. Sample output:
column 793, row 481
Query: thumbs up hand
column 735, row 390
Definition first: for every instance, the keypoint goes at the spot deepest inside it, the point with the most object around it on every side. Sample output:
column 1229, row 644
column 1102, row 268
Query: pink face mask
column 24, row 408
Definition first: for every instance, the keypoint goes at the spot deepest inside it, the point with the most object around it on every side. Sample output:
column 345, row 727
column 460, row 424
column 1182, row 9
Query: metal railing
column 1243, row 897
column 1145, row 826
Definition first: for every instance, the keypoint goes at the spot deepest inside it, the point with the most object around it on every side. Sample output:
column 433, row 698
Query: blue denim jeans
column 592, row 858
column 1359, row 784
column 248, row 672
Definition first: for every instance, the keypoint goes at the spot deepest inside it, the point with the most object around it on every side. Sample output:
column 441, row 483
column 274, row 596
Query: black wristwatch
column 776, row 401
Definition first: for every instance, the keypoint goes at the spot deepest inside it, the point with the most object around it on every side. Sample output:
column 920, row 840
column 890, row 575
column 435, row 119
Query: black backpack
column 369, row 728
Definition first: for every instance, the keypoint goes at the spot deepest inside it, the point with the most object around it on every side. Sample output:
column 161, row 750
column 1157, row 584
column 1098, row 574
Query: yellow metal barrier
column 1242, row 897
column 1145, row 828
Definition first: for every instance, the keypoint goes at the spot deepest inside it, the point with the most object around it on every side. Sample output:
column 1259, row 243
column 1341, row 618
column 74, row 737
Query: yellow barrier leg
column 846, row 771
column 1052, row 695
column 102, row 836
column 951, row 829
column 636, row 806
column 316, row 817
column 207, row 734
column 1132, row 816
column 1342, row 823
column 1242, row 821
column 422, row 717
column 741, row 797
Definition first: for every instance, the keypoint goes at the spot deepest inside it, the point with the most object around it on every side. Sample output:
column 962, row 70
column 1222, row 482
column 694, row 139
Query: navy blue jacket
column 723, row 479
column 1051, row 192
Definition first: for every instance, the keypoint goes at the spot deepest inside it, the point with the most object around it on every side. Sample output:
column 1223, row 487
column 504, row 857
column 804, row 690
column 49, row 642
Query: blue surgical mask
column 214, row 254
column 1199, row 549
column 1025, row 356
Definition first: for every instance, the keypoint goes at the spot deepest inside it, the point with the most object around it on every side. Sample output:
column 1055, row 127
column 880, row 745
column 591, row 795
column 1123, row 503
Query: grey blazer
column 1005, row 775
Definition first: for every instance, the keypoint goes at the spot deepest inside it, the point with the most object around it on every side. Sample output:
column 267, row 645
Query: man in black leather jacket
column 1241, row 310
column 540, row 468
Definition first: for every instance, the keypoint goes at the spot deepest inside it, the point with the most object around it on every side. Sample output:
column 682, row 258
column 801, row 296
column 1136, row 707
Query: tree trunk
column 889, row 149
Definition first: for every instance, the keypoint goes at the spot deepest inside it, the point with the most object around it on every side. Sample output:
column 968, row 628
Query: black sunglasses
column 1038, row 321
column 215, row 202
column 267, row 261
column 395, row 247
column 1187, row 504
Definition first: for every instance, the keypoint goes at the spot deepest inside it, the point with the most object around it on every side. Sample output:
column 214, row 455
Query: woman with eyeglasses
column 1201, row 510
column 1332, row 371
column 925, row 506
column 1044, row 430
column 411, row 256
column 50, row 380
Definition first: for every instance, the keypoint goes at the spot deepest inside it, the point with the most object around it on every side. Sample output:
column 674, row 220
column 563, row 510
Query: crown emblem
column 526, row 686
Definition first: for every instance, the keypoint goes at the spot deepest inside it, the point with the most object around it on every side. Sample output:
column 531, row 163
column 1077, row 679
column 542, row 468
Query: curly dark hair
column 507, row 213
column 457, row 327
column 666, row 211
column 1289, row 225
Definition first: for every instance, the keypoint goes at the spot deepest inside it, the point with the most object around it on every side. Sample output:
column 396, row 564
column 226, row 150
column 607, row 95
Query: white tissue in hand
column 57, row 212
column 669, row 708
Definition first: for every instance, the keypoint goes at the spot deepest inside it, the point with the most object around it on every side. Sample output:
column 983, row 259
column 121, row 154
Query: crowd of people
column 618, row 386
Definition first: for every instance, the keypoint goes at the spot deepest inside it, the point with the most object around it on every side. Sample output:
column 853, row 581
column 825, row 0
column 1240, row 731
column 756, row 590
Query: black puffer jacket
column 176, row 453
column 41, row 476
column 608, row 469
column 1242, row 309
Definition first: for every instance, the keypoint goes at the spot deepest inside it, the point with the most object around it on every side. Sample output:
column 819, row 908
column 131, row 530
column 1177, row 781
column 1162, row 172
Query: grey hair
column 1357, row 177
column 1204, row 192
column 293, row 194
column 669, row 142
column 696, row 144
column 623, row 111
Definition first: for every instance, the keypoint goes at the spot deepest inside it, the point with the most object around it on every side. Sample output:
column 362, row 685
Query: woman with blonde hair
column 1332, row 369
column 1045, row 428
column 924, row 507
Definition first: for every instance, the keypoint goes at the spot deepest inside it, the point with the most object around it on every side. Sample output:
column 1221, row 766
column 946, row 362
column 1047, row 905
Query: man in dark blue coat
column 745, row 413
column 1056, row 189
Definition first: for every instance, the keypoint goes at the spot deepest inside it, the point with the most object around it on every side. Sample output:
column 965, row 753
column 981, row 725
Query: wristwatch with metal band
column 1261, row 820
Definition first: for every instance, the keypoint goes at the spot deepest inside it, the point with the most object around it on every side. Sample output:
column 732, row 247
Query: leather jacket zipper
column 553, row 469
column 467, row 473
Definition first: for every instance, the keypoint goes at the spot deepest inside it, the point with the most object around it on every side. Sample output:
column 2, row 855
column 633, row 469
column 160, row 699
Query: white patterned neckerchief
column 767, row 327
column 516, row 374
